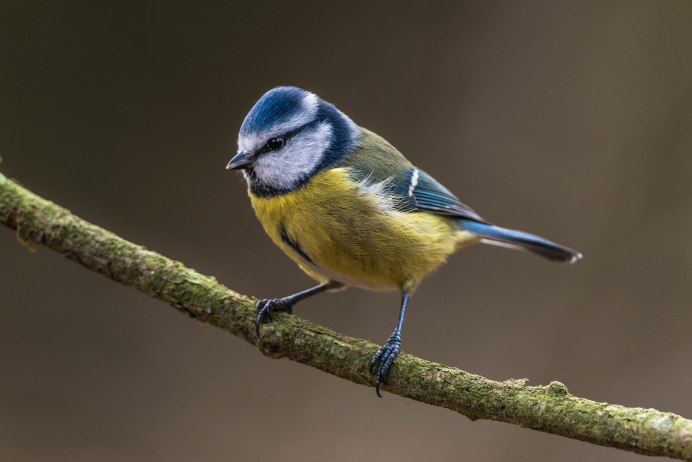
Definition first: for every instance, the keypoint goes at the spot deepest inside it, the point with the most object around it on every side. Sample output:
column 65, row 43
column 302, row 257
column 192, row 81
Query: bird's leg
column 384, row 357
column 265, row 307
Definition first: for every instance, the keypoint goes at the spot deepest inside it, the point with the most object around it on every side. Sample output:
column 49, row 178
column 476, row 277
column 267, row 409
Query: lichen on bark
column 550, row 408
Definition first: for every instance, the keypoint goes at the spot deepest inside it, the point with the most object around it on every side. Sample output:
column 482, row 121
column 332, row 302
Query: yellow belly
column 336, row 231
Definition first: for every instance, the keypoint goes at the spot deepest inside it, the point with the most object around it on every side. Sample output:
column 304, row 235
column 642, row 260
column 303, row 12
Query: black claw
column 382, row 361
column 375, row 358
column 266, row 307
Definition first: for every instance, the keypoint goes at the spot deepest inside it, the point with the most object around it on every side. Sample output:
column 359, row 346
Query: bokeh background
column 569, row 119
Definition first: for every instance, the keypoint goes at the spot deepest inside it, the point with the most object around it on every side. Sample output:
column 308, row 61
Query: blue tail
column 520, row 240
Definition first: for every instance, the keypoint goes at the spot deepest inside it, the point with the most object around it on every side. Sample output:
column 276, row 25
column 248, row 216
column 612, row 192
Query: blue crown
column 275, row 106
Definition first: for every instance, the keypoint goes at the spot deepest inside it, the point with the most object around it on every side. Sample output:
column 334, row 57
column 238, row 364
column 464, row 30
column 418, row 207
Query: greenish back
column 376, row 159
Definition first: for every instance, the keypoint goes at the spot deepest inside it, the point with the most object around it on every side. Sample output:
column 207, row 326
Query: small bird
column 351, row 210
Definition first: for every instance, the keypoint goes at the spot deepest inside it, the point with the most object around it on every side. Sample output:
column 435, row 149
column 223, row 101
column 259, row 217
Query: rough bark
column 549, row 408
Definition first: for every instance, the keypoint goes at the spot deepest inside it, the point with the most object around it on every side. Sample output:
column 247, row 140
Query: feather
column 520, row 240
column 376, row 161
column 431, row 196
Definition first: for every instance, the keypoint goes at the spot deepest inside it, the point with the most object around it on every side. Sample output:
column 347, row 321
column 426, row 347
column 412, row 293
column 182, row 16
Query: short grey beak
column 240, row 161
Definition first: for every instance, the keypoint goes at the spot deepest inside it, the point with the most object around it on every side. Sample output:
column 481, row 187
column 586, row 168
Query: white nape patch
column 285, row 168
column 252, row 142
column 414, row 182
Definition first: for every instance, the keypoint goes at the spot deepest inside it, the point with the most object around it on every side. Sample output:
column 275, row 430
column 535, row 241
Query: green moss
column 546, row 408
column 557, row 388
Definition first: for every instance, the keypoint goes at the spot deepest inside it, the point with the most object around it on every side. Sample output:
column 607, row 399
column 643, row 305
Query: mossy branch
column 546, row 408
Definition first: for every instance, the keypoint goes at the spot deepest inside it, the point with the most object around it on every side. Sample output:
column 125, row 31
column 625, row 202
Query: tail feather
column 519, row 240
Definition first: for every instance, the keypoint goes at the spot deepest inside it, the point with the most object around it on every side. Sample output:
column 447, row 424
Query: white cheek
column 286, row 168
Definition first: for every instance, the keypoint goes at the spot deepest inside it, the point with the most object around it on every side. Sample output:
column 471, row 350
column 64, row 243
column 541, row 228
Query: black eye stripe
column 287, row 136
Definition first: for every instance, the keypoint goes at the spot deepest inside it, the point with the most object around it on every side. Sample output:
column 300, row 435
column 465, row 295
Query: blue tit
column 350, row 210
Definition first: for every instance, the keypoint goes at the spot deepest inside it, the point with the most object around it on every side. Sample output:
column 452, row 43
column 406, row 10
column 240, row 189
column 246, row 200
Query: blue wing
column 422, row 192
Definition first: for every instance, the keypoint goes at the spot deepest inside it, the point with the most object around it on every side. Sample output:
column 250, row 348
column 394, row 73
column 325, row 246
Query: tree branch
column 546, row 408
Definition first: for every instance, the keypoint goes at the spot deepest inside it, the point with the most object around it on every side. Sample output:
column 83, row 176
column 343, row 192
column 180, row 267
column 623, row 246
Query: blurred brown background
column 569, row 119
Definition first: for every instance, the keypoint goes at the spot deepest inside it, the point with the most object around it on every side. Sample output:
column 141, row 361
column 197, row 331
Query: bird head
column 289, row 135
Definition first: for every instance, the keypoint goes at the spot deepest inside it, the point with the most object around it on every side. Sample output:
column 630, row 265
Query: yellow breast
column 343, row 231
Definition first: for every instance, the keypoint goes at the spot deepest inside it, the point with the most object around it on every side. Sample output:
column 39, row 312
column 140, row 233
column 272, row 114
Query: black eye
column 275, row 144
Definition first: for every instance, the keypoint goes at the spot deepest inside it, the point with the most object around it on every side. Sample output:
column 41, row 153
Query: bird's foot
column 382, row 360
column 266, row 307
